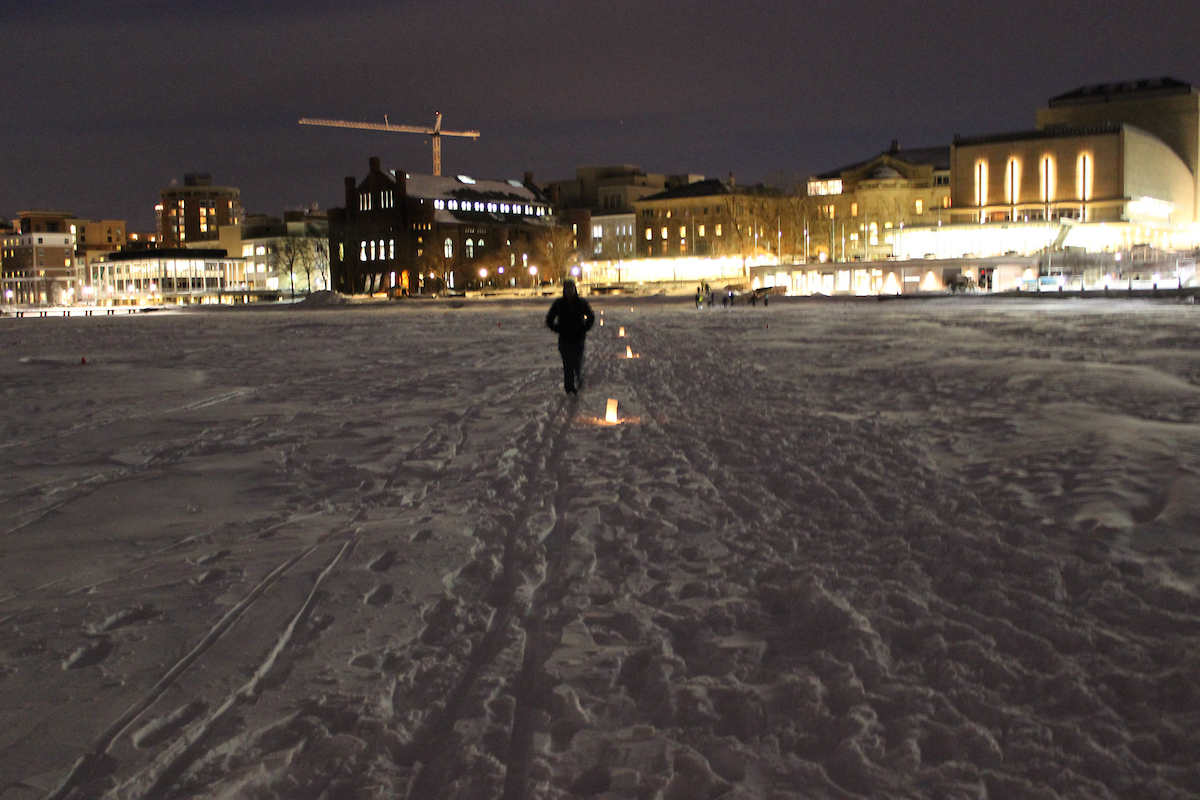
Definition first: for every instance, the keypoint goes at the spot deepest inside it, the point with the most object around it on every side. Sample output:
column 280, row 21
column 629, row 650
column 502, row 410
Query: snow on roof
column 447, row 187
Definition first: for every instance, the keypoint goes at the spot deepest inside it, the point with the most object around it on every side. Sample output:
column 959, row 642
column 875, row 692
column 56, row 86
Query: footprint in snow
column 212, row 558
column 209, row 576
column 380, row 595
column 89, row 654
column 126, row 617
column 383, row 562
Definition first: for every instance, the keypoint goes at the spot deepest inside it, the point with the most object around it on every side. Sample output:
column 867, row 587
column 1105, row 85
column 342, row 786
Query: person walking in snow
column 571, row 318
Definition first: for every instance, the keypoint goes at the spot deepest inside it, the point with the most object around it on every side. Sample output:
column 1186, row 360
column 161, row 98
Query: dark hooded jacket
column 570, row 317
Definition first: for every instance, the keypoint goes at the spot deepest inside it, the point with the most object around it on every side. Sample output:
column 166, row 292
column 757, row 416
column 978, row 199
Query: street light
column 533, row 277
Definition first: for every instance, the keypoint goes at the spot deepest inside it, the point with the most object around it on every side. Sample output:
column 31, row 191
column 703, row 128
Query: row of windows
column 701, row 230
column 1085, row 176
column 649, row 213
column 494, row 208
column 377, row 252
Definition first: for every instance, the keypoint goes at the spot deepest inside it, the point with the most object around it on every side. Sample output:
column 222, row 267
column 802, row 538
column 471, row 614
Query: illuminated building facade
column 599, row 201
column 1166, row 108
column 258, row 240
column 410, row 233
column 861, row 208
column 691, row 220
column 169, row 275
column 1107, row 173
column 195, row 211
column 38, row 265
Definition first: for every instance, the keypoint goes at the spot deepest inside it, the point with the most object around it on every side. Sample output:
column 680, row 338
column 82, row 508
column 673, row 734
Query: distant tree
column 292, row 252
column 319, row 262
column 558, row 249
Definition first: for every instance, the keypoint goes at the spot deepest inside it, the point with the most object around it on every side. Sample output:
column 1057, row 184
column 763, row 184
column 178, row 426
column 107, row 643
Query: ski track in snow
column 834, row 550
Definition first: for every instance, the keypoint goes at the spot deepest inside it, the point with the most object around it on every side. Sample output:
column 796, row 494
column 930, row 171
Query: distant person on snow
column 571, row 318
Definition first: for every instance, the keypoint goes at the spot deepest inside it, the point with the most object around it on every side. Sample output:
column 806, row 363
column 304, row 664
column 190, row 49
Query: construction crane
column 435, row 133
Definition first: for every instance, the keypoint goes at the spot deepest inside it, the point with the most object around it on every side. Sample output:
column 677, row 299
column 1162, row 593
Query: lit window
column 439, row 204
column 448, row 248
column 372, row 249
column 505, row 208
column 469, row 248
column 717, row 229
column 832, row 211
column 1012, row 182
column 981, row 183
column 919, row 207
column 664, row 232
column 362, row 253
column 649, row 234
column 1084, row 177
column 946, row 201
column 381, row 250
column 682, row 231
column 854, row 209
column 701, row 230
column 341, row 251
column 391, row 248
column 1047, row 179
column 452, row 205
column 261, row 250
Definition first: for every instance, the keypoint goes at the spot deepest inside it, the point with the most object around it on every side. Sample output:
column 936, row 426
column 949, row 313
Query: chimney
column 732, row 182
column 374, row 163
column 528, row 180
column 351, row 196
column 895, row 148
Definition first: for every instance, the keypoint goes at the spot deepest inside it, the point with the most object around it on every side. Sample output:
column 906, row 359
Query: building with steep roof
column 410, row 233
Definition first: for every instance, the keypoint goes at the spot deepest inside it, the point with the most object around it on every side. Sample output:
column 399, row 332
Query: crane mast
column 435, row 133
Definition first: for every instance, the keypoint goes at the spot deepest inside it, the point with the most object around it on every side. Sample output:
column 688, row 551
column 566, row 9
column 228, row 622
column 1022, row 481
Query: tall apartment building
column 38, row 265
column 194, row 211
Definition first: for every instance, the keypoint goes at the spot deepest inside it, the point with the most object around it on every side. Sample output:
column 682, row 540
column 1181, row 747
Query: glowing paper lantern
column 611, row 414
column 621, row 332
column 628, row 351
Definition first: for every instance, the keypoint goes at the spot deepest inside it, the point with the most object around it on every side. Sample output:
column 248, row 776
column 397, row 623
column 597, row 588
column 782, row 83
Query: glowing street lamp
column 482, row 273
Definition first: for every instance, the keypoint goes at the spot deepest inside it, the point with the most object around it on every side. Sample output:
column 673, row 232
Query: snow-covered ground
column 944, row 549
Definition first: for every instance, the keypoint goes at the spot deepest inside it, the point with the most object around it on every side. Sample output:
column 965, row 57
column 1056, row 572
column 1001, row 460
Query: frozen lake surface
column 944, row 549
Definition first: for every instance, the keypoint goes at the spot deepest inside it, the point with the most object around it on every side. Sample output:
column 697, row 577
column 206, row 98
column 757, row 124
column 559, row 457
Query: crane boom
column 435, row 133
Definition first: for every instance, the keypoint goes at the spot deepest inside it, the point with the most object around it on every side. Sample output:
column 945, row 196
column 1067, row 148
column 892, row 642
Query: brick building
column 410, row 233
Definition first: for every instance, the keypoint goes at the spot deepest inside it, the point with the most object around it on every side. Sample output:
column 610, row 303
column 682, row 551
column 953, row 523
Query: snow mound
column 324, row 299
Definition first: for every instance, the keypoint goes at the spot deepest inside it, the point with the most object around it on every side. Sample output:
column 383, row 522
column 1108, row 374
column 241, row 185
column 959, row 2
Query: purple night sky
column 102, row 104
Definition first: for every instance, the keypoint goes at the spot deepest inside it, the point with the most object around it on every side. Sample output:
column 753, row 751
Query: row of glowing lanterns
column 610, row 412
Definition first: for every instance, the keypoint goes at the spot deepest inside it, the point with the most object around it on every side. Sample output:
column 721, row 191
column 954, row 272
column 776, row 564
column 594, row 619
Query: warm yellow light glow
column 1048, row 179
column 1012, row 182
column 628, row 351
column 483, row 273
column 1084, row 176
column 930, row 284
column 620, row 332
column 611, row 414
column 981, row 183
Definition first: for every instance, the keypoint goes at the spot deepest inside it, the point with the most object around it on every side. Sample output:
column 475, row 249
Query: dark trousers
column 572, row 356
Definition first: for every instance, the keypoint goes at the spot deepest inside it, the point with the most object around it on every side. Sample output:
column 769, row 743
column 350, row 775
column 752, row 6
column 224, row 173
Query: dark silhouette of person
column 571, row 318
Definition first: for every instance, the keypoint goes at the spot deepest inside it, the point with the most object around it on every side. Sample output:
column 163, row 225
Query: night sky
column 103, row 103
